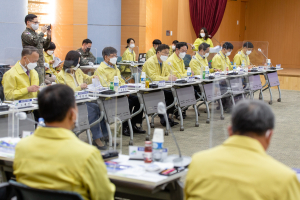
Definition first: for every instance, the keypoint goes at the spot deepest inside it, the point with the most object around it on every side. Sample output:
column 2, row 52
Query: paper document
column 215, row 49
column 57, row 62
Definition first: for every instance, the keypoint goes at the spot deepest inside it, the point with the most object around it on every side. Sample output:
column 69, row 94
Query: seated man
column 72, row 76
column 240, row 168
column 86, row 57
column 156, row 68
column 106, row 73
column 173, row 47
column 152, row 51
column 54, row 158
column 243, row 55
column 221, row 60
column 22, row 81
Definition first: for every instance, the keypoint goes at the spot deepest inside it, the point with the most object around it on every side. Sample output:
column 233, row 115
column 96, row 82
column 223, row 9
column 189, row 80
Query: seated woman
column 72, row 76
column 49, row 60
column 128, row 55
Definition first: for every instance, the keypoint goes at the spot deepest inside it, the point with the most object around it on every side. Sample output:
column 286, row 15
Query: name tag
column 278, row 66
column 260, row 68
column 123, row 88
column 190, row 79
column 81, row 95
column 26, row 134
column 23, row 103
column 161, row 83
column 217, row 74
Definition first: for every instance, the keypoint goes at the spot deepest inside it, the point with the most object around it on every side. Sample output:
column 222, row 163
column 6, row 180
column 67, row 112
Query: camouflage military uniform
column 31, row 38
column 86, row 57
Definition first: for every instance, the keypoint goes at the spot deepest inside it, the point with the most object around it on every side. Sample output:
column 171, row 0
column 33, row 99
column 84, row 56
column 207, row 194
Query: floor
column 285, row 145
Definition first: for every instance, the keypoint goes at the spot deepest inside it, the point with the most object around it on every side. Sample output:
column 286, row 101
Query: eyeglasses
column 35, row 22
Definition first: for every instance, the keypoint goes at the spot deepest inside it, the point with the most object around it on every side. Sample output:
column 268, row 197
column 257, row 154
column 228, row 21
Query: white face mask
column 182, row 55
column 206, row 55
column 173, row 47
column 30, row 65
column 113, row 60
column 50, row 52
column 202, row 35
column 228, row 53
column 35, row 26
column 248, row 52
column 163, row 58
column 132, row 45
column 77, row 66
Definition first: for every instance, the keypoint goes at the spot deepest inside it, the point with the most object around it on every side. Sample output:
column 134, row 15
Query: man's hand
column 217, row 70
column 33, row 88
column 44, row 29
column 83, row 86
column 172, row 78
column 51, row 62
column 96, row 77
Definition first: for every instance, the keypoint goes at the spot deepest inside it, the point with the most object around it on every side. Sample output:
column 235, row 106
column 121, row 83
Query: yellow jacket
column 239, row 169
column 196, row 67
column 199, row 41
column 154, row 71
column 55, row 159
column 49, row 58
column 127, row 55
column 107, row 73
column 178, row 64
column 15, row 83
column 170, row 51
column 218, row 62
column 150, row 53
column 67, row 79
column 240, row 57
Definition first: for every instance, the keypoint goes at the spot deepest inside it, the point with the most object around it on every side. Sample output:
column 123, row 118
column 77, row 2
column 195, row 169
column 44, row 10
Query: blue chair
column 24, row 192
column 187, row 60
column 119, row 59
column 99, row 60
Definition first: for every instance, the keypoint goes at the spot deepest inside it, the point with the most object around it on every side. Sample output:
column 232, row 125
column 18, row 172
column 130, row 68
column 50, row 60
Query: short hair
column 156, row 41
column 248, row 45
column 128, row 41
column 108, row 50
column 71, row 59
column 162, row 47
column 86, row 41
column 205, row 31
column 227, row 45
column 252, row 116
column 29, row 17
column 52, row 46
column 203, row 46
column 181, row 44
column 175, row 42
column 55, row 101
column 28, row 50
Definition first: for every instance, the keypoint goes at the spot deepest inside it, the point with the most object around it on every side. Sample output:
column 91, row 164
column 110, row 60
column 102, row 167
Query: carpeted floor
column 285, row 145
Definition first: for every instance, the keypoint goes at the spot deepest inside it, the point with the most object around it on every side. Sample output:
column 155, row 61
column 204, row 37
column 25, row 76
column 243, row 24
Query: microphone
column 23, row 116
column 215, row 39
column 178, row 81
column 181, row 161
column 259, row 49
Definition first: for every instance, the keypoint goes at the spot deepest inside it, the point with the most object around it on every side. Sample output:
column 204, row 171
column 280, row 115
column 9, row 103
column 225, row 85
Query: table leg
column 279, row 100
column 221, row 109
column 131, row 132
column 206, row 103
column 196, row 113
column 178, row 108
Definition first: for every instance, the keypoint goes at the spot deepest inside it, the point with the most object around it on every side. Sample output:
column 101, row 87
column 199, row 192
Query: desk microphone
column 215, row 40
column 178, row 81
column 23, row 116
column 181, row 161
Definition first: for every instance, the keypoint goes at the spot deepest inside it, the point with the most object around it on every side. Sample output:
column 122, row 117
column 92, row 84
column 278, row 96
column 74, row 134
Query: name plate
column 190, row 79
column 22, row 103
column 136, row 152
column 161, row 83
column 82, row 95
column 123, row 88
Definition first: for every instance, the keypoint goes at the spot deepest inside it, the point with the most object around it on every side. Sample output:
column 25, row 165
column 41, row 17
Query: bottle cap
column 143, row 73
column 158, row 135
column 116, row 79
column 41, row 120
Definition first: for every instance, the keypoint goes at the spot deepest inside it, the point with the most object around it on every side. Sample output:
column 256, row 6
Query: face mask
column 182, row 55
column 163, row 58
column 50, row 52
column 88, row 49
column 202, row 35
column 35, row 26
column 228, row 53
column 173, row 47
column 248, row 52
column 30, row 65
column 132, row 45
column 206, row 55
column 77, row 66
column 113, row 60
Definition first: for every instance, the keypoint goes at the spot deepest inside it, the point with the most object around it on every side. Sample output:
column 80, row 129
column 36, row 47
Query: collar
column 158, row 61
column 130, row 50
column 153, row 50
column 19, row 68
column 177, row 59
column 199, row 56
column 54, row 133
column 245, row 142
column 31, row 31
column 221, row 54
column 244, row 55
column 111, row 66
column 25, row 70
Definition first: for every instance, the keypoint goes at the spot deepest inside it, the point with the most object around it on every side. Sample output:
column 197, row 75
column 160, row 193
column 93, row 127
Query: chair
column 24, row 192
column 142, row 57
column 119, row 59
column 6, row 191
column 99, row 60
column 187, row 60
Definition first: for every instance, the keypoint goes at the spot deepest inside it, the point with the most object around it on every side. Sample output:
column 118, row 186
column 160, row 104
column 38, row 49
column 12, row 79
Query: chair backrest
column 99, row 60
column 142, row 57
column 6, row 191
column 119, row 59
column 24, row 192
column 187, row 60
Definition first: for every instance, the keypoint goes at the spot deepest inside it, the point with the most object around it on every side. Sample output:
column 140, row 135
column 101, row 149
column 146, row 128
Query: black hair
column 107, row 51
column 181, row 44
column 28, row 50
column 248, row 45
column 156, row 41
column 205, row 31
column 227, row 45
column 203, row 46
column 29, row 17
column 55, row 101
column 162, row 47
column 86, row 41
column 128, row 41
column 252, row 116
column 175, row 42
column 52, row 46
column 71, row 59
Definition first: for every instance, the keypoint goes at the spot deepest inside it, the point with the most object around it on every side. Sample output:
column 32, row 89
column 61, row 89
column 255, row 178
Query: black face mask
column 88, row 49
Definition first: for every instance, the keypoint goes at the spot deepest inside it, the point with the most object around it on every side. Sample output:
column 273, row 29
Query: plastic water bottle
column 116, row 83
column 243, row 65
column 188, row 72
column 234, row 67
column 41, row 122
column 269, row 63
column 111, row 87
column 158, row 143
column 143, row 79
column 206, row 72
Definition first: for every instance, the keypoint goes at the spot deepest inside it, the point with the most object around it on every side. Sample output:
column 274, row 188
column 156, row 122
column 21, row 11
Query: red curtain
column 208, row 14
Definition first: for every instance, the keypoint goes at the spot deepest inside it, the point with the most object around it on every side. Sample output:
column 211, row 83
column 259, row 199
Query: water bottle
column 143, row 79
column 116, row 83
column 188, row 72
column 269, row 63
column 206, row 72
column 158, row 143
column 234, row 67
column 41, row 122
column 111, row 87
